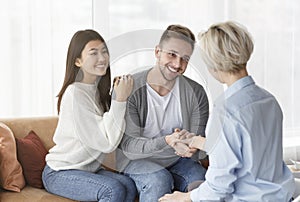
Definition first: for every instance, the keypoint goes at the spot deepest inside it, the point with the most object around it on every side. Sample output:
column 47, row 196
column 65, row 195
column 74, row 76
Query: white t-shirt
column 164, row 112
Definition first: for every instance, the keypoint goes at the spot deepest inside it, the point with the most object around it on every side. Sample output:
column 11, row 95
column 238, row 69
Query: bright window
column 36, row 33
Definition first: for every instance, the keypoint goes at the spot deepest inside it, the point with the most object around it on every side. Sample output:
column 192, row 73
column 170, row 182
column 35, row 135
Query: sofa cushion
column 31, row 154
column 11, row 176
column 31, row 194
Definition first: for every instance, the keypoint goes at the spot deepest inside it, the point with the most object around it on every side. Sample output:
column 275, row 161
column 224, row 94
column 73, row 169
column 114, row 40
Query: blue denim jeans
column 153, row 181
column 86, row 186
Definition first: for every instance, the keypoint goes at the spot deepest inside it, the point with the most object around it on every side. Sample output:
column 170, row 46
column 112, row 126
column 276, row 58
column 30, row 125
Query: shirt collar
column 238, row 85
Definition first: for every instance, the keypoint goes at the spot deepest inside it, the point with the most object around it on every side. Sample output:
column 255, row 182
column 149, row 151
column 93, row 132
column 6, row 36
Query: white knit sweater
column 84, row 133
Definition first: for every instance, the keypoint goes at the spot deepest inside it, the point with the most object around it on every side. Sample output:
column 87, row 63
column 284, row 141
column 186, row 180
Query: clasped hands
column 185, row 143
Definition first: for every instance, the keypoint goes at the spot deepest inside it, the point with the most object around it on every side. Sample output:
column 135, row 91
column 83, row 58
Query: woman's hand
column 123, row 87
column 176, row 197
column 193, row 141
column 197, row 142
column 2, row 145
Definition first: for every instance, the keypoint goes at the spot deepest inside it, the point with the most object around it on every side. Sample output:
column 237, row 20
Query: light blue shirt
column 244, row 144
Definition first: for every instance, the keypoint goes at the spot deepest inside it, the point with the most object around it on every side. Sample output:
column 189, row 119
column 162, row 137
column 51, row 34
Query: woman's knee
column 114, row 191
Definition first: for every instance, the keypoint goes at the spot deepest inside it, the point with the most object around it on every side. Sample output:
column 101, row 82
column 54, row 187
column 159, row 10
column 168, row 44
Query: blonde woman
column 244, row 132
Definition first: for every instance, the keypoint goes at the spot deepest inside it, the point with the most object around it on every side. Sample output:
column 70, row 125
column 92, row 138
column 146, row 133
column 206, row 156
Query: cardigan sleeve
column 135, row 146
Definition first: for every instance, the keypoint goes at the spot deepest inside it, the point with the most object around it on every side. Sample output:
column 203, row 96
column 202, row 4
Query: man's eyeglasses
column 174, row 56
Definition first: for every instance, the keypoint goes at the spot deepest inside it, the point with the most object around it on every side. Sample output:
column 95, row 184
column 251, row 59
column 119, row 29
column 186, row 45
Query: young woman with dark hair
column 90, row 125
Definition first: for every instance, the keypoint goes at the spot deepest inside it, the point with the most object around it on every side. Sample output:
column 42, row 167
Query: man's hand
column 183, row 150
column 185, row 135
column 179, row 141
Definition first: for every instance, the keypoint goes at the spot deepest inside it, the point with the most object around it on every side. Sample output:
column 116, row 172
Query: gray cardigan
column 194, row 109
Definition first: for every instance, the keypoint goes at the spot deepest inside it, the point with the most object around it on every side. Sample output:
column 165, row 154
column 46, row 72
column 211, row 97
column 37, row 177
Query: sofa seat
column 31, row 194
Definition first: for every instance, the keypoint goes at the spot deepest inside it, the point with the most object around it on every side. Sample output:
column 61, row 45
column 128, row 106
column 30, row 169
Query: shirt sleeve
column 222, row 139
column 98, row 131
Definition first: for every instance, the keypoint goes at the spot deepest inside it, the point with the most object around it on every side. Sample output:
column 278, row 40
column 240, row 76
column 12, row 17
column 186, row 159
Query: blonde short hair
column 226, row 46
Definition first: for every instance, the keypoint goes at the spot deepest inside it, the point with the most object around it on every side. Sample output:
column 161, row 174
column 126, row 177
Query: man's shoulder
column 140, row 79
column 141, row 75
column 139, row 83
column 190, row 82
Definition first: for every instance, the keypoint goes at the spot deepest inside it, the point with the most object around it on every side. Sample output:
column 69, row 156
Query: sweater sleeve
column 98, row 131
column 133, row 145
column 199, row 110
column 195, row 108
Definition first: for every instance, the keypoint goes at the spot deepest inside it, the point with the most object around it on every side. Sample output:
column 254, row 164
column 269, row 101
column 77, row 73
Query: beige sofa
column 44, row 127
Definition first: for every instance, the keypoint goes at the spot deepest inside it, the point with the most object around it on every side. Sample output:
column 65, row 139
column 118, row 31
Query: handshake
column 185, row 143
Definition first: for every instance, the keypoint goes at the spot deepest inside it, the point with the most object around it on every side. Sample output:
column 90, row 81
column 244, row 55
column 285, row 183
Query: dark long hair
column 77, row 44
